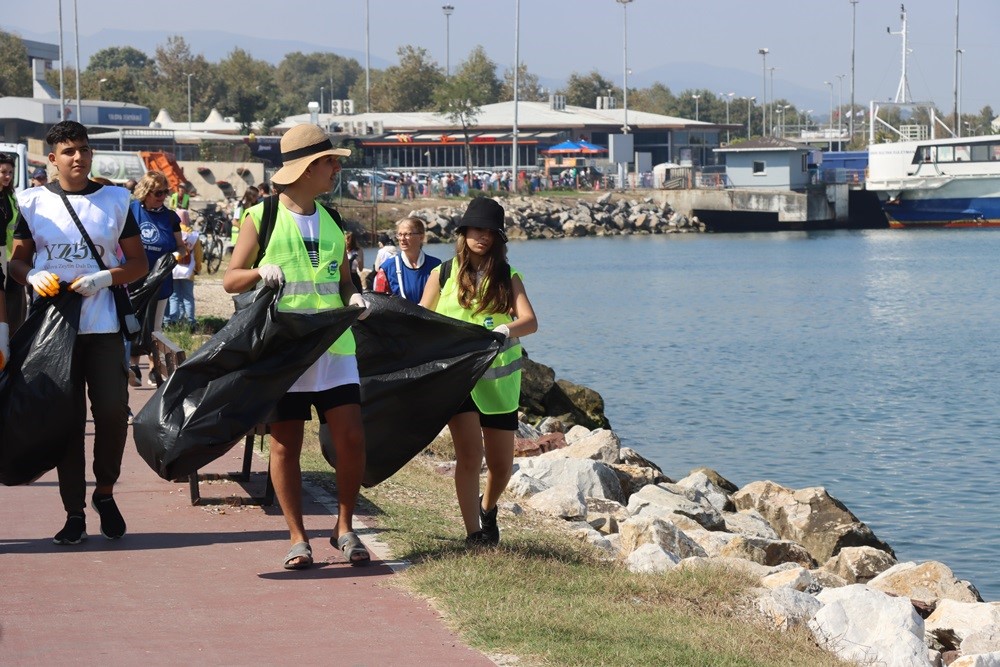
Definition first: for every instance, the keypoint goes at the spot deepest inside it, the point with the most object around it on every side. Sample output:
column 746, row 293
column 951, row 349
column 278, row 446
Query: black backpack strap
column 444, row 271
column 266, row 227
column 335, row 214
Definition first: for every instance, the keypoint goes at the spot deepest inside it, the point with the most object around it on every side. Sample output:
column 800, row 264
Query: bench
column 167, row 357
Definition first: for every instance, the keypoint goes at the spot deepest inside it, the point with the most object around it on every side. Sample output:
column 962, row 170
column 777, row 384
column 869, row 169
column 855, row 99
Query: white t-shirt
column 330, row 370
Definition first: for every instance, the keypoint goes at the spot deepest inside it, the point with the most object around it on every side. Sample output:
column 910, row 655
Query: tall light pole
column 750, row 101
column 517, row 63
column 958, row 97
column 448, row 11
column 830, row 83
column 696, row 98
column 729, row 98
column 780, row 123
column 189, row 100
column 99, row 82
column 763, row 121
column 623, row 166
column 784, row 118
column 321, row 104
column 958, row 74
column 854, row 12
column 840, row 104
column 368, row 67
column 770, row 104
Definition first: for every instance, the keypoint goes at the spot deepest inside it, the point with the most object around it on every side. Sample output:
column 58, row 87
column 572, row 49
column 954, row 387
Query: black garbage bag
column 417, row 367
column 143, row 293
column 232, row 382
column 40, row 414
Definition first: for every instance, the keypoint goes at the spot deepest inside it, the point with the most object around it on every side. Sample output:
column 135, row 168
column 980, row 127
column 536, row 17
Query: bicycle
column 215, row 228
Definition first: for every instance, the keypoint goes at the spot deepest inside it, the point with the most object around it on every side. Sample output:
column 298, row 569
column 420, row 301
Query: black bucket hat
column 484, row 213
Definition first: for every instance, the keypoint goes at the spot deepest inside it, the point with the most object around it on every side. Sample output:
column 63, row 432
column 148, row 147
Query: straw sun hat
column 300, row 146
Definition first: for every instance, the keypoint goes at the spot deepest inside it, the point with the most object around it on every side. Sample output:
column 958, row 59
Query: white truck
column 20, row 154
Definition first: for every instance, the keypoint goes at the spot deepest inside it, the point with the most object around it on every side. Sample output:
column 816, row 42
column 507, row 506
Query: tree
column 247, row 82
column 299, row 77
column 15, row 74
column 527, row 83
column 481, row 74
column 114, row 57
column 174, row 61
column 408, row 86
column 583, row 90
column 459, row 99
column 655, row 99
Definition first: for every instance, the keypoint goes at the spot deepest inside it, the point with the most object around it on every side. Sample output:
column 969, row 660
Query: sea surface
column 866, row 362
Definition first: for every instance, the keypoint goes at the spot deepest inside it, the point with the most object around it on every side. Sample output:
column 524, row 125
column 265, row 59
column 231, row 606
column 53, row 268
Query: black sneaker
column 134, row 376
column 74, row 532
column 479, row 539
column 488, row 523
column 112, row 521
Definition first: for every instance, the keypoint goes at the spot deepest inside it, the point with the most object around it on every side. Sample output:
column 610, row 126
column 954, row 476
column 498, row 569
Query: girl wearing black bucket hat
column 480, row 287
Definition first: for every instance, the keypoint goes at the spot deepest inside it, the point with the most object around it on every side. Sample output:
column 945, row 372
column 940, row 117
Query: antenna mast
column 903, row 91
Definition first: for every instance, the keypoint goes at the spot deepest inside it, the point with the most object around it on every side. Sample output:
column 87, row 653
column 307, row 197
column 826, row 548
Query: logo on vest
column 150, row 234
column 488, row 322
column 332, row 267
column 69, row 252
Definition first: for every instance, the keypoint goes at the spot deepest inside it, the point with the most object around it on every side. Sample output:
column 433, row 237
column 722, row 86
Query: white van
column 20, row 153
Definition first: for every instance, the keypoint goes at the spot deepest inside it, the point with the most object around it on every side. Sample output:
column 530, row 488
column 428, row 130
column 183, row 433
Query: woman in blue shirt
column 407, row 272
column 160, row 232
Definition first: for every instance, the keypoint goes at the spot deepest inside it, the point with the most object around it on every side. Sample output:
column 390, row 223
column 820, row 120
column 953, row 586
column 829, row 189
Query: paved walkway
column 199, row 584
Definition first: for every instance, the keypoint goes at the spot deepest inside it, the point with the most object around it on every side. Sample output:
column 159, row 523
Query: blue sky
column 676, row 41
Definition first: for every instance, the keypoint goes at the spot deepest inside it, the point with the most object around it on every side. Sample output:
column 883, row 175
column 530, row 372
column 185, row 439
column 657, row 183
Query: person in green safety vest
column 180, row 198
column 307, row 253
column 480, row 287
column 15, row 293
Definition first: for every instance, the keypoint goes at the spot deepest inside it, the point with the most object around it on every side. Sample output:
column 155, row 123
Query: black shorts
column 298, row 405
column 506, row 421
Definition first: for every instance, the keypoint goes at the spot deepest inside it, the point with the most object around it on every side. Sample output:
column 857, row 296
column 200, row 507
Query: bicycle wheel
column 213, row 255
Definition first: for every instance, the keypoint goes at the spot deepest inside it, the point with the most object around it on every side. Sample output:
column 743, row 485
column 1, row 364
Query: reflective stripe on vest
column 498, row 391
column 308, row 289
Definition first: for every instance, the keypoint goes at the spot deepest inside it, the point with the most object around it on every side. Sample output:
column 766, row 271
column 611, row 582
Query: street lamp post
column 830, row 83
column 763, row 121
column 321, row 103
column 840, row 104
column 189, row 100
column 623, row 166
column 448, row 11
column 854, row 12
column 784, row 118
column 750, row 101
column 99, row 82
column 958, row 95
column 770, row 103
column 696, row 98
column 780, row 123
column 729, row 98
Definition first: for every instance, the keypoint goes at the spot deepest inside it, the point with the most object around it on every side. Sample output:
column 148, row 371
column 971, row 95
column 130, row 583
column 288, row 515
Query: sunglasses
column 407, row 235
column 160, row 193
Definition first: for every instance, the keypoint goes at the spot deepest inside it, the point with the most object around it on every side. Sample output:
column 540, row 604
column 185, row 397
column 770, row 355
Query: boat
column 937, row 182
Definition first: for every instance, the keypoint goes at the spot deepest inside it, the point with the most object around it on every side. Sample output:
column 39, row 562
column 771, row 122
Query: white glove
column 502, row 329
column 44, row 282
column 4, row 344
column 91, row 284
column 358, row 300
column 271, row 274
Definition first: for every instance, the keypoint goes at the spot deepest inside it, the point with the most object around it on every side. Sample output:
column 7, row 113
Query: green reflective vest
column 9, row 224
column 178, row 201
column 308, row 289
column 499, row 390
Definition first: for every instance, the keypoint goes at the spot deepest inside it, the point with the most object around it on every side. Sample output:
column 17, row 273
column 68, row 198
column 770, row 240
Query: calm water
column 865, row 362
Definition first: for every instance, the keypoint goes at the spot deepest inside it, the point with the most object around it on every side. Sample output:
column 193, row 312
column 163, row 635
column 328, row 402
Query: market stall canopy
column 567, row 147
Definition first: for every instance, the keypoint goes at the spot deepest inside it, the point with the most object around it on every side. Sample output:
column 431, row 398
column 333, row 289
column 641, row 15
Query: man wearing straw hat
column 306, row 252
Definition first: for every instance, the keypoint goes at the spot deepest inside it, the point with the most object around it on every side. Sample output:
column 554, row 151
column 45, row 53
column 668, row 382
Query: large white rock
column 927, row 582
column 715, row 496
column 657, row 499
column 600, row 445
column 749, row 523
column 575, row 433
column 978, row 660
column 637, row 531
column 869, row 627
column 712, row 541
column 859, row 565
column 797, row 578
column 952, row 622
column 523, row 485
column 592, row 478
column 650, row 559
column 986, row 640
column 564, row 502
column 605, row 515
column 586, row 533
column 787, row 608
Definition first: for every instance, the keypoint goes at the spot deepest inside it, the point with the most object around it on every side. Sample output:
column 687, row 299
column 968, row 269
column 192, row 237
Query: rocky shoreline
column 549, row 217
column 817, row 564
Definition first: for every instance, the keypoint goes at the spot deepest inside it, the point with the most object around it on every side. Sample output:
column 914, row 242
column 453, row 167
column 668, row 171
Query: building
column 768, row 163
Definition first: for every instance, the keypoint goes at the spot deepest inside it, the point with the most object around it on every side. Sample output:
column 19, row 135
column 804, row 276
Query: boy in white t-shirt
column 48, row 250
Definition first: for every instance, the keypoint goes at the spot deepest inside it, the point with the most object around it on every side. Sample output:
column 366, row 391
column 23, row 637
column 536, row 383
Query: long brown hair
column 496, row 294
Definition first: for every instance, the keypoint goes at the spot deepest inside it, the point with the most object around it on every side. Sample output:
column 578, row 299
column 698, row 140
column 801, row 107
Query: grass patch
column 190, row 339
column 552, row 600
